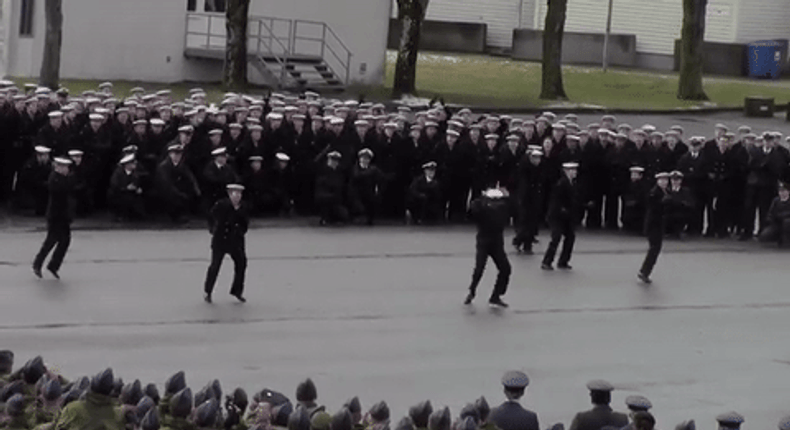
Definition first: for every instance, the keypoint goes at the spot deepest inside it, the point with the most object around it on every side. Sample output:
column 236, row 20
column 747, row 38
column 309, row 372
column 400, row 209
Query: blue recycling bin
column 766, row 58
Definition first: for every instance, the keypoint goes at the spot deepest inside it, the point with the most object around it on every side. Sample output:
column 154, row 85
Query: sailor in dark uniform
column 511, row 415
column 59, row 217
column 657, row 201
column 636, row 404
column 228, row 223
column 601, row 415
column 491, row 213
column 562, row 216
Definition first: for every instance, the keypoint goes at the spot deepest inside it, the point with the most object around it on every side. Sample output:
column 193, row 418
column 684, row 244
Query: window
column 191, row 5
column 215, row 6
column 26, row 18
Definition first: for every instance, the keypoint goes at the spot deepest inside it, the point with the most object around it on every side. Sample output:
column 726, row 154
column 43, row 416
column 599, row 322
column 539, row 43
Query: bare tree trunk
column 551, row 84
column 235, row 71
column 411, row 14
column 692, row 38
column 50, row 65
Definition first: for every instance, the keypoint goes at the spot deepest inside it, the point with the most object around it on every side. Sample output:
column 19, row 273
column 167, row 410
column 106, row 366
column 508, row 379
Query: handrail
column 267, row 42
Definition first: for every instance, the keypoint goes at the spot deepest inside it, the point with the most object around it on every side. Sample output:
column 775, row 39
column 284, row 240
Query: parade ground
column 377, row 312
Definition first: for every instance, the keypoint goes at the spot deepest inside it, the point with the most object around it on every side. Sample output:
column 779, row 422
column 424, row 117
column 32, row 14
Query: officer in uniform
column 634, row 201
column 511, row 415
column 125, row 195
column 228, row 223
column 562, row 217
column 59, row 218
column 657, row 200
column 635, row 405
column 491, row 214
column 601, row 415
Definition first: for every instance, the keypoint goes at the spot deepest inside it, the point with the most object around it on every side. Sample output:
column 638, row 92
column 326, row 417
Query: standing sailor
column 492, row 215
column 654, row 224
column 59, row 218
column 228, row 223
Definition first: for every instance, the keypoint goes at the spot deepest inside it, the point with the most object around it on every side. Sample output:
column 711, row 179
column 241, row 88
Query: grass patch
column 485, row 81
column 501, row 82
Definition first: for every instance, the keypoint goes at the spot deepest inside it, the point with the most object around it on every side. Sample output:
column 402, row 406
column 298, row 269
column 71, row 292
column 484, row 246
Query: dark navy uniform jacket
column 512, row 416
column 598, row 417
column 228, row 225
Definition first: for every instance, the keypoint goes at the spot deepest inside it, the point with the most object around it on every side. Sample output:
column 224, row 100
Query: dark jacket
column 227, row 224
column 657, row 200
column 60, row 206
column 779, row 211
column 598, row 417
column 120, row 181
column 513, row 416
column 330, row 186
column 564, row 201
column 492, row 216
column 176, row 181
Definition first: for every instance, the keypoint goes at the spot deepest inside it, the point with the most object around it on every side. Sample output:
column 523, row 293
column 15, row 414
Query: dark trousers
column 758, row 198
column 778, row 232
column 726, row 212
column 457, row 197
column 332, row 210
column 655, row 240
column 612, row 210
column 702, row 210
column 527, row 226
column 239, row 257
column 495, row 250
column 560, row 230
column 591, row 213
column 425, row 210
column 58, row 237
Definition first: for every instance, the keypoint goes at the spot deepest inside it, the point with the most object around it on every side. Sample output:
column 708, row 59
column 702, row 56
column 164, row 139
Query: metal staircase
column 288, row 53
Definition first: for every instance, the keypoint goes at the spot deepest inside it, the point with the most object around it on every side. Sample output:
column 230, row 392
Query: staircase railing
column 281, row 39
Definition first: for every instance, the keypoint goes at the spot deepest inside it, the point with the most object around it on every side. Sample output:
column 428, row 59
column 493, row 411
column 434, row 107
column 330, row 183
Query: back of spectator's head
column 644, row 420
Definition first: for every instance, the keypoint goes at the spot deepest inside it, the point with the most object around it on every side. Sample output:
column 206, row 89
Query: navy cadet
column 634, row 201
column 177, row 186
column 636, row 404
column 424, row 203
column 562, row 217
column 59, row 217
column 125, row 195
column 492, row 215
column 657, row 202
column 601, row 415
column 730, row 421
column 778, row 219
column 330, row 191
column 511, row 415
column 228, row 223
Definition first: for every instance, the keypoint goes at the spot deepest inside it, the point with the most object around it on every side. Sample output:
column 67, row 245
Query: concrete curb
column 592, row 110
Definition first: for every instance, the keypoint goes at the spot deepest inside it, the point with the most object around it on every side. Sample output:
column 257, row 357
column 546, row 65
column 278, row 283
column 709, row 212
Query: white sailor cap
column 156, row 122
column 637, row 169
column 55, row 114
column 492, row 136
column 255, row 127
column 235, row 187
column 453, row 133
column 129, row 148
column 431, row 124
column 274, row 116
column 140, row 122
column 365, row 152
column 513, row 137
column 42, row 149
column 361, row 123
column 570, row 165
column 311, row 94
column 162, row 93
column 536, row 152
column 255, row 158
column 334, row 154
column 62, row 161
column 186, row 129
column 215, row 131
column 236, row 125
column 75, row 153
column 104, row 85
column 457, row 124
column 96, row 117
column 282, row 156
column 721, row 126
column 429, row 165
column 494, row 193
column 175, row 148
column 219, row 151
column 128, row 158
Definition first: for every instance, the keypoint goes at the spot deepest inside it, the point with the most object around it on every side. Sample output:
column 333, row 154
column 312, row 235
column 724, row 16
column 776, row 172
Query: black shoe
column 207, row 298
column 53, row 272
column 546, row 266
column 37, row 272
column 565, row 266
column 644, row 278
column 239, row 297
column 469, row 298
column 497, row 303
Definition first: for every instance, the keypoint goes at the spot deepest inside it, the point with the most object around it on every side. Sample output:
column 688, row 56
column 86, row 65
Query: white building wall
column 143, row 40
column 656, row 23
column 362, row 25
column 763, row 20
column 501, row 16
